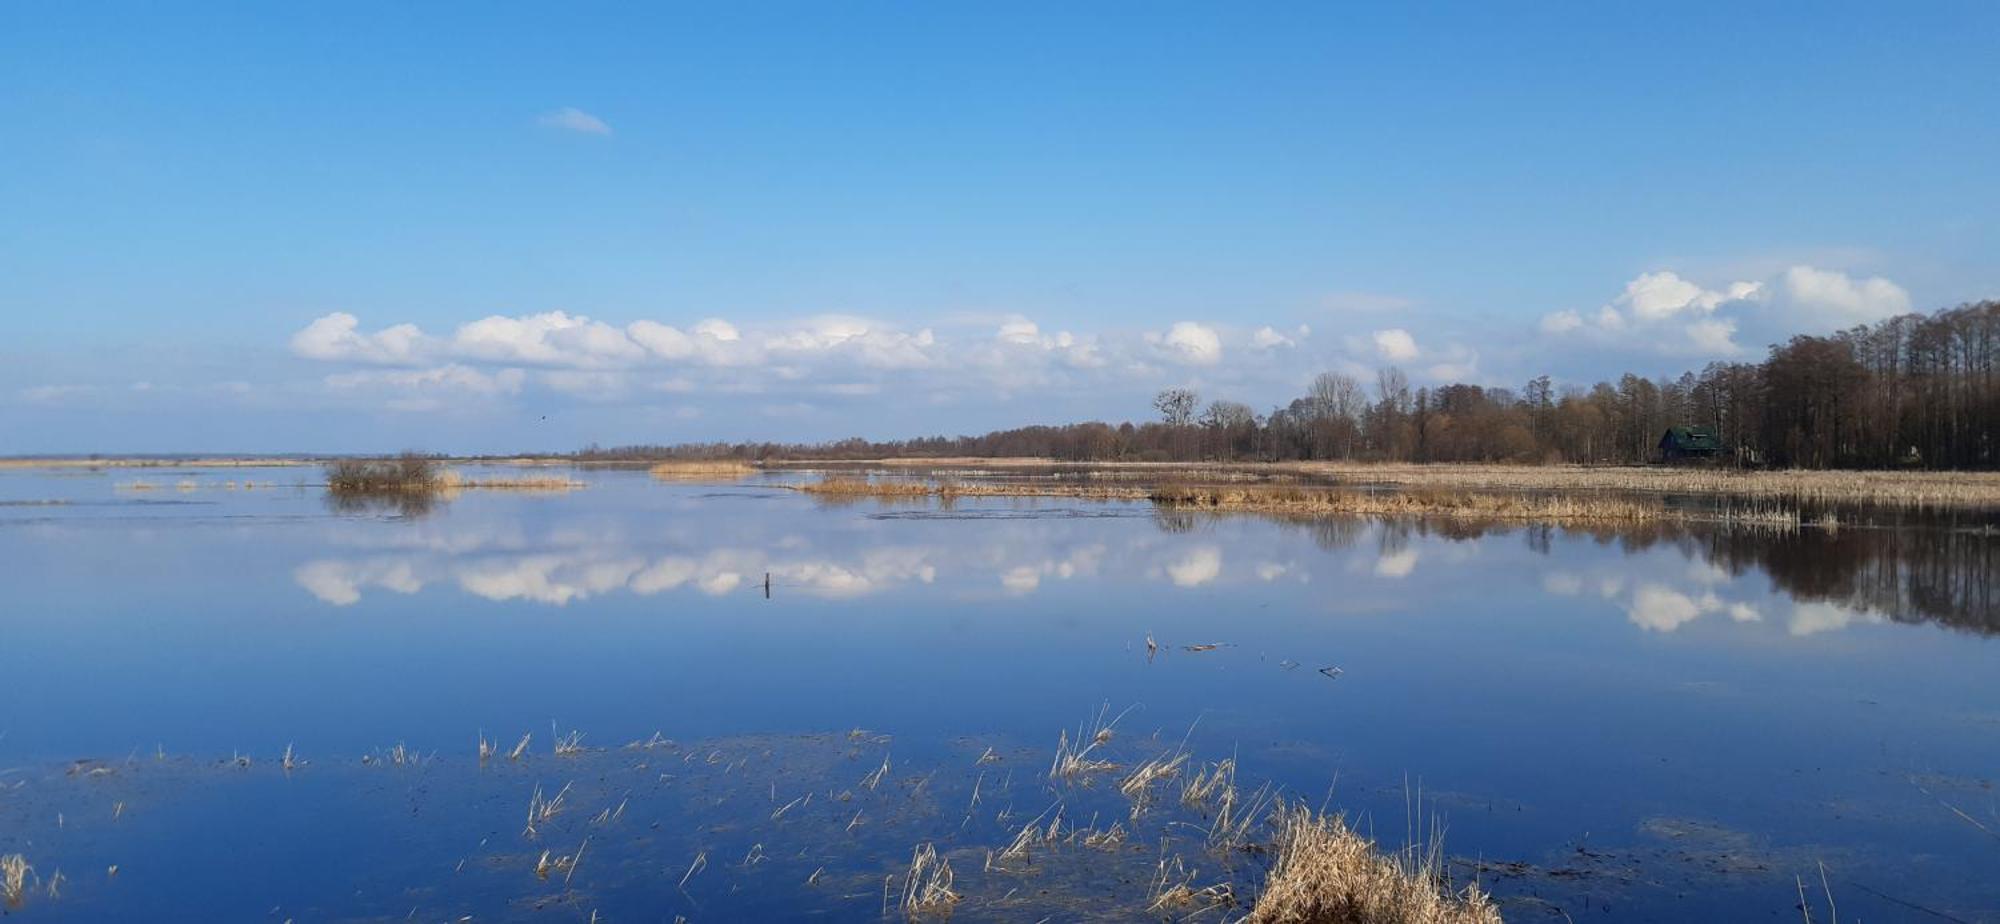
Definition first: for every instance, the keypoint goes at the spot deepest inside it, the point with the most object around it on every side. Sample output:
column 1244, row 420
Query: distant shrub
column 409, row 473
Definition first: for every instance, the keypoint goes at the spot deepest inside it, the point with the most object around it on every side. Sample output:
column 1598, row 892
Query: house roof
column 1692, row 438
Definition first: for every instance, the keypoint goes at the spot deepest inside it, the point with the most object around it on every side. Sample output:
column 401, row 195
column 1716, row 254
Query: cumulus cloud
column 1667, row 313
column 572, row 119
column 1658, row 608
column 1270, row 338
column 1398, row 564
column 791, row 360
column 1815, row 618
column 447, row 378
column 1396, row 345
column 1199, row 566
column 1839, row 300
column 337, row 338
column 552, row 338
column 1190, row 342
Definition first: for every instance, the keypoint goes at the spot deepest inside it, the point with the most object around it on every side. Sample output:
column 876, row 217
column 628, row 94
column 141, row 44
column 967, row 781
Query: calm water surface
column 1658, row 725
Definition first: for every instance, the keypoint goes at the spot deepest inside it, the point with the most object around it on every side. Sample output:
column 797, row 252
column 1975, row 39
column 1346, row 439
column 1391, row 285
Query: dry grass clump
column 1174, row 891
column 569, row 745
column 542, row 809
column 409, row 473
column 1139, row 785
column 1073, row 760
column 697, row 469
column 863, row 487
column 453, row 481
column 14, row 871
column 1327, row 874
column 927, row 886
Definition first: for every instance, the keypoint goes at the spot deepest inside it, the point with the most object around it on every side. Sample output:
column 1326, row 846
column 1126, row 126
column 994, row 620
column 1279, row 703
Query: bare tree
column 1224, row 414
column 1335, row 395
column 1176, row 406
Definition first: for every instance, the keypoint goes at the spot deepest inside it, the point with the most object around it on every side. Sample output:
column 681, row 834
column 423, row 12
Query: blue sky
column 256, row 227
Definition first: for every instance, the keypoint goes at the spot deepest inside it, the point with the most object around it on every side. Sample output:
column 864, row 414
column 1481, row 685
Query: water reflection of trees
column 1917, row 567
column 1907, row 575
column 392, row 503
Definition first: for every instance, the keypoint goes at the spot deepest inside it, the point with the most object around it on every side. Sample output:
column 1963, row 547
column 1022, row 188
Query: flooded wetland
column 613, row 696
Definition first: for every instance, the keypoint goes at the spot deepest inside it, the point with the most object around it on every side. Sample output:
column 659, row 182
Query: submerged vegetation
column 1247, row 849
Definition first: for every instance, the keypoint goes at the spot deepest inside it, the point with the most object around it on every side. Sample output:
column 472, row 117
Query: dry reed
column 452, row 481
column 701, row 469
column 927, row 886
column 14, row 872
column 1327, row 874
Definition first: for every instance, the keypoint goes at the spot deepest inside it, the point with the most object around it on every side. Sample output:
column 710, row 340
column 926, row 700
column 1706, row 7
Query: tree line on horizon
column 1911, row 391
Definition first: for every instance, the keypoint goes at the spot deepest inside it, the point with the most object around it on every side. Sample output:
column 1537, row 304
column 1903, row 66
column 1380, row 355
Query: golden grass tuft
column 452, row 481
column 701, row 469
column 1139, row 785
column 14, row 872
column 1327, row 874
column 927, row 886
column 1073, row 756
column 542, row 809
column 863, row 487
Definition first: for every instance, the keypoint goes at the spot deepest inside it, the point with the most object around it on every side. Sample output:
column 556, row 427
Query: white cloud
column 337, row 338
column 1835, row 300
column 572, row 119
column 1398, row 564
column 1192, row 343
column 447, row 378
column 1267, row 337
column 1814, row 618
column 1396, row 345
column 553, row 338
column 1560, row 583
column 1561, row 322
column 1021, row 580
column 1199, row 566
column 1663, row 312
column 1656, row 608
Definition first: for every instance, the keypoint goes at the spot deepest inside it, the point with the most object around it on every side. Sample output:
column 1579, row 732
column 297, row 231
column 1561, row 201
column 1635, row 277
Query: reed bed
column 1327, row 874
column 1885, row 488
column 1790, row 487
column 701, row 469
column 1296, row 499
column 452, row 481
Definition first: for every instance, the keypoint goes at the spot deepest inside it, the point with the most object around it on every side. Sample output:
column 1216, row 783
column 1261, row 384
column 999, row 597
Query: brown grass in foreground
column 1328, row 874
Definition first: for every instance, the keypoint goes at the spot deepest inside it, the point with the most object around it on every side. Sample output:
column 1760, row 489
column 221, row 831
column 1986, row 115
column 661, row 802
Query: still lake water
column 1659, row 725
